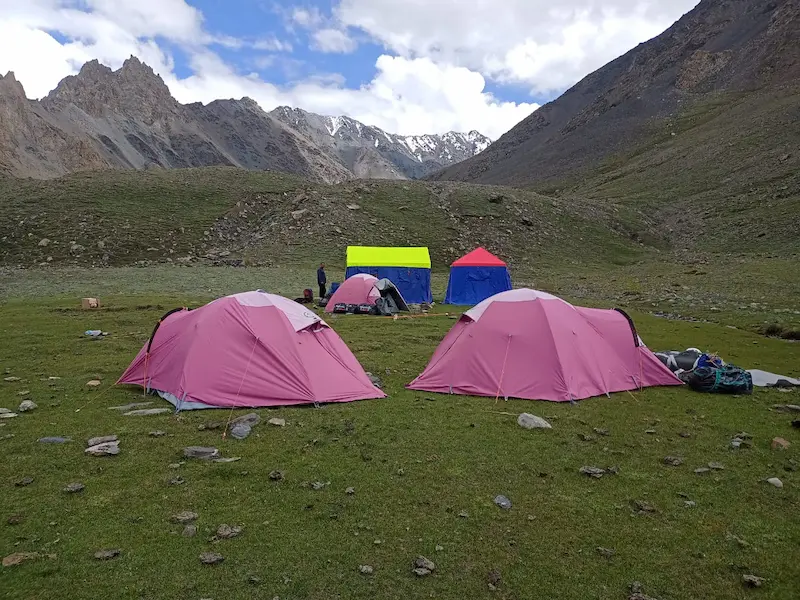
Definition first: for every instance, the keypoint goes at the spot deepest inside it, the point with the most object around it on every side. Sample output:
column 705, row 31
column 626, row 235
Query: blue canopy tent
column 408, row 268
column 475, row 277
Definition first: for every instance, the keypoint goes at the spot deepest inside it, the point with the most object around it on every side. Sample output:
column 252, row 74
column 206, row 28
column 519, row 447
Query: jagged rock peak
column 9, row 86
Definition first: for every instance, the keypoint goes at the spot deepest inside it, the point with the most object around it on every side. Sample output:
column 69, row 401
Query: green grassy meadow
column 417, row 461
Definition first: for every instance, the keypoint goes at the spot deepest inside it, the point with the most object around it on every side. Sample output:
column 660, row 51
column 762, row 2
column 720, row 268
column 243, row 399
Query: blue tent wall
column 470, row 285
column 414, row 284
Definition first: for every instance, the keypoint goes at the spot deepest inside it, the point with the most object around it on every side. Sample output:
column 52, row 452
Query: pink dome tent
column 356, row 289
column 248, row 350
column 533, row 345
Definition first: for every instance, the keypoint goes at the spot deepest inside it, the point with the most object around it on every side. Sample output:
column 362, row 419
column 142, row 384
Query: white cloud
column 307, row 17
column 333, row 41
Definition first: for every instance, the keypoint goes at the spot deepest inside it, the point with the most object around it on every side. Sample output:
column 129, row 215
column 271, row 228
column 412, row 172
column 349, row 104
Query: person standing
column 322, row 280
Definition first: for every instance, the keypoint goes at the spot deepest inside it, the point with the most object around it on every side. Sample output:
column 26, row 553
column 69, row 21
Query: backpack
column 725, row 379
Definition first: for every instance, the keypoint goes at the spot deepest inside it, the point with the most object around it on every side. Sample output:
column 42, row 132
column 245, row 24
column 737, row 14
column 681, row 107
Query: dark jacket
column 321, row 279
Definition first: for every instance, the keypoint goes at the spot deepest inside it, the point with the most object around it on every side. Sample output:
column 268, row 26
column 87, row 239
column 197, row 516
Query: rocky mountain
column 370, row 152
column 657, row 103
column 128, row 119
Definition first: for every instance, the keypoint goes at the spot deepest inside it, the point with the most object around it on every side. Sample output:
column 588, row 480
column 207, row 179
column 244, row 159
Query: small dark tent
column 475, row 277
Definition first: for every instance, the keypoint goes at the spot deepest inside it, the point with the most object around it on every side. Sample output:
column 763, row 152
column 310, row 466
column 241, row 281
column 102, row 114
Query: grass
column 415, row 464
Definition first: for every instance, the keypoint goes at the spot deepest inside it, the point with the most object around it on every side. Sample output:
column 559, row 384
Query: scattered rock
column 182, row 518
column 73, row 488
column 211, row 558
column 277, row 422
column 276, row 475
column 129, row 407
column 376, row 381
column 240, row 431
column 8, row 415
column 650, row 431
column 146, row 412
column 673, row 461
column 101, row 440
column 350, row 491
column 439, row 547
column 298, row 214
column 365, row 569
column 318, row 485
column 24, row 393
column 12, row 379
column 423, row 566
column 54, row 440
column 716, row 466
column 24, row 482
column 586, row 438
column 94, row 383
column 210, row 426
column 779, row 443
column 529, row 421
column 689, row 503
column 104, row 449
column 201, row 452
column 27, row 406
column 502, row 502
column 606, row 552
column 353, row 206
column 189, row 531
column 229, row 459
column 702, row 470
column 776, row 482
column 789, row 408
column 107, row 554
column 603, row 432
column 595, row 472
column 684, row 434
column 13, row 560
column 463, row 514
column 251, row 419
column 15, row 519
column 642, row 507
column 494, row 579
column 157, row 433
column 753, row 581
column 177, row 480
column 225, row 532
column 43, row 243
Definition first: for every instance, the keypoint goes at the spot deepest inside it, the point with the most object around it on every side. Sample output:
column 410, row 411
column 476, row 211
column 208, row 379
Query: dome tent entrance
column 362, row 288
column 475, row 277
column 409, row 268
column 533, row 345
column 248, row 350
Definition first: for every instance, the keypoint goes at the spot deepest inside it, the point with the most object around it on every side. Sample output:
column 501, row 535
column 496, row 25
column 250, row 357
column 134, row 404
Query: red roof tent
column 480, row 257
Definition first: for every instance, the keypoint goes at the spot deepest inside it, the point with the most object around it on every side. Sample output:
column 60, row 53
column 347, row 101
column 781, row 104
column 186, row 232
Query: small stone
column 689, row 503
column 595, row 472
column 529, row 421
column 439, row 547
column 240, row 431
column 776, row 482
column 15, row 519
column 157, row 433
column 211, row 426
column 201, row 452
column 211, row 558
column 229, row 459
column 365, row 569
column 189, row 531
column 100, row 440
column 650, row 431
column 146, row 412
column 129, row 407
column 12, row 379
column 586, row 438
column 225, row 532
column 54, row 440
column 13, row 560
column 73, row 488
column 318, row 485
column 603, row 432
column 716, row 466
column 502, row 502
column 27, row 406
column 494, row 579
column 107, row 554
column 778, row 443
column 423, row 566
column 277, row 475
column 24, row 482
column 643, row 507
column 376, row 381
column 94, row 383
column 606, row 552
column 176, row 465
column 789, row 408
column 105, row 449
column 177, row 481
column 184, row 517
column 7, row 415
column 753, row 581
column 702, row 470
column 350, row 491
column 277, row 422
column 463, row 514
column 673, row 461
column 254, row 580
column 685, row 434
column 250, row 419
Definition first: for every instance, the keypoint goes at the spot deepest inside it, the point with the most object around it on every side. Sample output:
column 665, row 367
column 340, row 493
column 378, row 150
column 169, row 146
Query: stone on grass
column 54, row 440
column 642, row 506
column 211, row 558
column 376, row 381
column 24, row 482
column 277, row 422
column 529, row 421
column 439, row 547
column 599, row 431
column 673, row 461
column 27, row 406
column 595, row 472
column 4, row 411
column 229, row 459
column 94, row 383
column 15, row 519
column 605, row 552
column 789, row 408
column 689, row 503
column 702, row 470
column 753, row 581
column 365, row 569
column 716, row 466
column 189, row 531
column 75, row 487
column 250, row 419
column 210, row 426
column 12, row 379
column 157, row 433
column 318, row 485
column 775, row 481
column 8, row 415
column 104, row 449
column 182, row 518
column 502, row 502
column 107, row 554
column 129, row 407
column 423, row 566
column 146, row 412
column 276, row 475
column 779, row 443
column 13, row 560
column 201, row 452
column 350, row 491
column 177, row 480
column 650, row 431
column 463, row 514
column 240, row 431
column 100, row 440
column 225, row 532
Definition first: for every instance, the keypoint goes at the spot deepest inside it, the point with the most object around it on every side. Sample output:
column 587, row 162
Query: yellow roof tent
column 378, row 256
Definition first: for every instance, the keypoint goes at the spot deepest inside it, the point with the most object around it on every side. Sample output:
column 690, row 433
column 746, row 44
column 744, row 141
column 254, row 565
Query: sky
column 408, row 66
